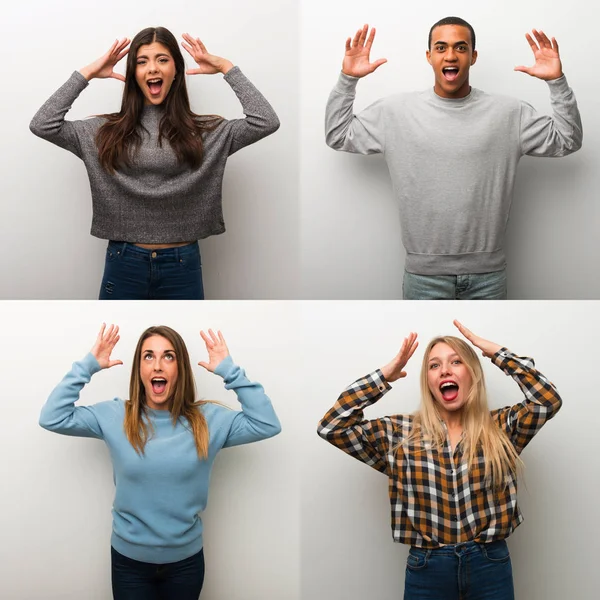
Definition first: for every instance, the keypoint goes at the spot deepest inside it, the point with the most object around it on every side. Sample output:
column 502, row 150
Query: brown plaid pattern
column 434, row 499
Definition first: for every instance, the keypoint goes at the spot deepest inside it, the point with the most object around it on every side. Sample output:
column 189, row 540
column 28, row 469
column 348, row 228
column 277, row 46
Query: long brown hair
column 480, row 433
column 182, row 403
column 119, row 138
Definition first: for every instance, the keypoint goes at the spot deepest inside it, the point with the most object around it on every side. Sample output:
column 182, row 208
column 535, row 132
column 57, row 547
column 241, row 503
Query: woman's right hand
column 105, row 343
column 394, row 369
column 103, row 67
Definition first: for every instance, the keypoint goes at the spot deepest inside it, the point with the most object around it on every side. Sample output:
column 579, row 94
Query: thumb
column 194, row 72
column 204, row 364
column 523, row 69
column 378, row 63
column 113, row 363
column 118, row 76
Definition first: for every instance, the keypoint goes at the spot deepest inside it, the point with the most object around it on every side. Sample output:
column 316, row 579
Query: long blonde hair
column 480, row 433
column 182, row 403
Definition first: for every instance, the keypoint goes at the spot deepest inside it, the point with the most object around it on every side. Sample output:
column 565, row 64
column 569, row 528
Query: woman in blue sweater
column 155, row 167
column 163, row 444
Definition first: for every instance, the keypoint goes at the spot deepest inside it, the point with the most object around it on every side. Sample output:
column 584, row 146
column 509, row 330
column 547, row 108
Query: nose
column 450, row 55
column 156, row 365
column 446, row 370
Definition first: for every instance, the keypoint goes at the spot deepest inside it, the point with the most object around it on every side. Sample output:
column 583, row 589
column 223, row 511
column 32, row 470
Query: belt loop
column 177, row 256
column 123, row 248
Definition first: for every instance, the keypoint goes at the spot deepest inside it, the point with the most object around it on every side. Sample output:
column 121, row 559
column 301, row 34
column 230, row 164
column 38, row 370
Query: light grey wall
column 45, row 201
column 57, row 491
column 351, row 247
column 347, row 548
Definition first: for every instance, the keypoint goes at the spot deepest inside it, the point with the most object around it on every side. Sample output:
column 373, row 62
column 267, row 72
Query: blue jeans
column 468, row 571
column 134, row 273
column 136, row 580
column 476, row 286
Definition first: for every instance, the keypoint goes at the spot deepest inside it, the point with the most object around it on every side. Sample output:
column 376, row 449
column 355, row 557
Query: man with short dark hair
column 452, row 152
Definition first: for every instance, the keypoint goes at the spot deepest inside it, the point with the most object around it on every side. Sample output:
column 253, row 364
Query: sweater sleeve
column 60, row 414
column 522, row 421
column 363, row 133
column 257, row 419
column 556, row 135
column 344, row 425
column 260, row 120
column 49, row 121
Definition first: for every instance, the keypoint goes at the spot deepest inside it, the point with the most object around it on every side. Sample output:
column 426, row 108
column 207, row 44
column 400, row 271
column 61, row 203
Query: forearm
column 257, row 420
column 556, row 135
column 60, row 415
column 49, row 121
column 261, row 120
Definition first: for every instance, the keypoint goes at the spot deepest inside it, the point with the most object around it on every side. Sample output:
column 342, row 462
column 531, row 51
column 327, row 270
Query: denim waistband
column 461, row 548
column 164, row 254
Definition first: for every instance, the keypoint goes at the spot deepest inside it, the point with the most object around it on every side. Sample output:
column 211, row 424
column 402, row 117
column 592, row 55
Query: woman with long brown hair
column 163, row 443
column 155, row 167
column 452, row 466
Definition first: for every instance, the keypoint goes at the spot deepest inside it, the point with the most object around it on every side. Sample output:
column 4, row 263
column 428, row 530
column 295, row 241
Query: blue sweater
column 159, row 495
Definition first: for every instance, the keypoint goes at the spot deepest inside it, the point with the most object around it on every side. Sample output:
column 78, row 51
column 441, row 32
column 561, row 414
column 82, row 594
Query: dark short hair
column 452, row 21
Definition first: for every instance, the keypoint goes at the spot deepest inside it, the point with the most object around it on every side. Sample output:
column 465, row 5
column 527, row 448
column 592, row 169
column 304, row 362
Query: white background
column 45, row 201
column 350, row 233
column 347, row 547
column 57, row 491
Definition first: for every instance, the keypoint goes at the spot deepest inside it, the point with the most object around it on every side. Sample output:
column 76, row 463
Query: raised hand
column 216, row 347
column 105, row 343
column 356, row 60
column 395, row 369
column 547, row 60
column 487, row 348
column 103, row 67
column 208, row 64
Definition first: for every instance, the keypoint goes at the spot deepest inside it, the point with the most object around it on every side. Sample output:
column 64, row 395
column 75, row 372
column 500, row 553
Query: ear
column 474, row 57
column 428, row 56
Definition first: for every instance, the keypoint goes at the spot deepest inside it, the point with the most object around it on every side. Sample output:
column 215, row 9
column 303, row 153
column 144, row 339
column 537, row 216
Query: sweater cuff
column 79, row 80
column 558, row 86
column 90, row 364
column 346, row 84
column 225, row 368
column 234, row 74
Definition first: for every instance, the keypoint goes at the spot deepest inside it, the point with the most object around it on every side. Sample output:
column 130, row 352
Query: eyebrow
column 156, row 55
column 461, row 43
column 164, row 352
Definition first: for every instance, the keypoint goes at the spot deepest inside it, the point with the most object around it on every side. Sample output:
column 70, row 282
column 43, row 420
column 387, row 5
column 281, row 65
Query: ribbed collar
column 452, row 103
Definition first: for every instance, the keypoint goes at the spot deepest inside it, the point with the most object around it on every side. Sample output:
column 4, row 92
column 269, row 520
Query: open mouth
column 450, row 73
column 159, row 384
column 449, row 390
column 155, row 86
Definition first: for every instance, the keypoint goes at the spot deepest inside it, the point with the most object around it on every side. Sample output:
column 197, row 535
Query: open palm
column 216, row 348
column 357, row 61
column 547, row 59
column 105, row 344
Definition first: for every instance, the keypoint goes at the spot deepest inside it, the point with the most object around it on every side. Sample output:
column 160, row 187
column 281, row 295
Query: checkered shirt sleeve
column 344, row 425
column 522, row 421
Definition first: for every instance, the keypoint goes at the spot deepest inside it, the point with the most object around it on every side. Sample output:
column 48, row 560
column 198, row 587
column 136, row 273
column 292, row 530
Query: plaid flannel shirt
column 435, row 499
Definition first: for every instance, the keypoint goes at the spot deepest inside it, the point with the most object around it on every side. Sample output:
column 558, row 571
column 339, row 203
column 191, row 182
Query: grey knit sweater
column 453, row 164
column 157, row 200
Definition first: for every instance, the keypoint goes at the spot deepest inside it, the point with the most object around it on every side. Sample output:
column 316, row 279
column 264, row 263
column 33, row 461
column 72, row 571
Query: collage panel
column 369, row 529
column 192, row 138
column 68, row 500
column 455, row 171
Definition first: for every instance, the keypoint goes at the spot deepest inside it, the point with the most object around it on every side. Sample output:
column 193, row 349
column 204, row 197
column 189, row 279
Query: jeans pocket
column 191, row 261
column 496, row 552
column 417, row 559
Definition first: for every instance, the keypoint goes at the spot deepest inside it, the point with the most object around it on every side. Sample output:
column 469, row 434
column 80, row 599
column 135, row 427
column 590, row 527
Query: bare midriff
column 162, row 246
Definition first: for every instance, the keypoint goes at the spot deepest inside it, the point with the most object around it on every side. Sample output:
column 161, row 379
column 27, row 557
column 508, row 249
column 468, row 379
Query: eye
column 462, row 48
column 457, row 361
column 147, row 356
column 163, row 60
column 169, row 357
column 433, row 365
column 141, row 62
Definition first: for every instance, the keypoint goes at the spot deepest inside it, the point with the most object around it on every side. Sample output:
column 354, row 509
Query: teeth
column 159, row 380
column 446, row 384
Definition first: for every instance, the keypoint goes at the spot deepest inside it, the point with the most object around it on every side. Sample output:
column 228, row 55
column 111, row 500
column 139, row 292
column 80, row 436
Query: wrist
column 225, row 66
column 87, row 73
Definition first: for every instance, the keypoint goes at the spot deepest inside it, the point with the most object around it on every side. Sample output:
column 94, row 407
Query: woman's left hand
column 487, row 348
column 216, row 347
column 208, row 64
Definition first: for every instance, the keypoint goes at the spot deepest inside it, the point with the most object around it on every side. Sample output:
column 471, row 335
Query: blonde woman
column 452, row 466
column 163, row 444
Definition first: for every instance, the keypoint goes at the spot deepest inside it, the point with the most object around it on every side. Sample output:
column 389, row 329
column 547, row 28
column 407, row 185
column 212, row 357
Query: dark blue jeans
column 468, row 571
column 135, row 580
column 134, row 273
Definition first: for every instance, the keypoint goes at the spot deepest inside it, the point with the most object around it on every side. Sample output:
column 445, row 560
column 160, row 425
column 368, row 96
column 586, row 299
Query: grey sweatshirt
column 157, row 200
column 453, row 164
